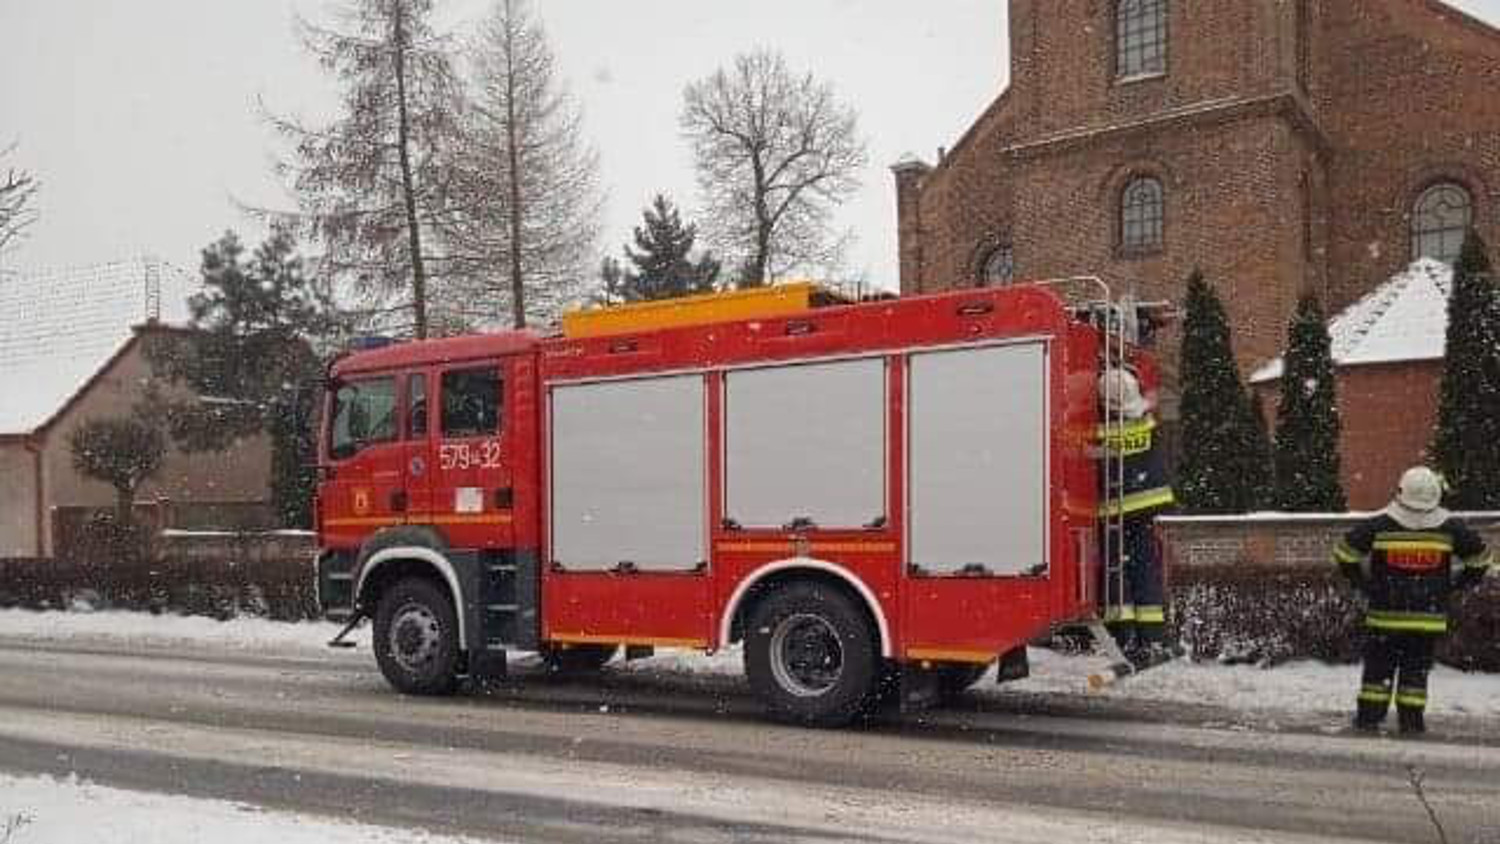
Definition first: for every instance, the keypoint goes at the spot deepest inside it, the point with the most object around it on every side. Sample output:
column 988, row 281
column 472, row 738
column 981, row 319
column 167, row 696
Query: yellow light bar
column 704, row 309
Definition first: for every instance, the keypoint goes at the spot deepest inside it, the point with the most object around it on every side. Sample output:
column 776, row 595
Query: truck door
column 472, row 482
column 364, row 489
column 418, row 448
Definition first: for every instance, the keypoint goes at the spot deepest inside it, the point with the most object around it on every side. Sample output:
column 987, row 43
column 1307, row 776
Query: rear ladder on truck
column 1118, row 326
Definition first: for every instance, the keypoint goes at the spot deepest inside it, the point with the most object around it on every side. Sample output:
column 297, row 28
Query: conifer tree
column 1216, row 474
column 1258, row 455
column 1307, row 420
column 663, row 257
column 1467, row 445
column 251, row 362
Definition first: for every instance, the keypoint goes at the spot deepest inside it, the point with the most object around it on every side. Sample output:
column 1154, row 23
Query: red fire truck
column 854, row 491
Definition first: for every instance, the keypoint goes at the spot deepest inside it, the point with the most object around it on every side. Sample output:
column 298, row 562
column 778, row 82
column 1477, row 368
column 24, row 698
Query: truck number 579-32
column 480, row 455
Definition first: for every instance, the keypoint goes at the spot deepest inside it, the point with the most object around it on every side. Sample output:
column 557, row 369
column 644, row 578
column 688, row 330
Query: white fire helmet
column 1121, row 392
column 1420, row 490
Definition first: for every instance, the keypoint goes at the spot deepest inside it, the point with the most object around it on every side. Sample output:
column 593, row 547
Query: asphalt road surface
column 626, row 758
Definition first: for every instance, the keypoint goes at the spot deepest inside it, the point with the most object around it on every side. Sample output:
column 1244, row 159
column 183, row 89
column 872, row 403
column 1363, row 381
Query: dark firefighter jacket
column 1409, row 574
column 1145, row 477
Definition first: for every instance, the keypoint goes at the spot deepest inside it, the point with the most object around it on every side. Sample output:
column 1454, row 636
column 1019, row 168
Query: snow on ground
column 42, row 810
column 1299, row 687
column 247, row 635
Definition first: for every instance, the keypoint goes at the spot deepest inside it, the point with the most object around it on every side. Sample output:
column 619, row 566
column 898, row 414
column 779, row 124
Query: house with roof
column 72, row 349
column 1388, row 359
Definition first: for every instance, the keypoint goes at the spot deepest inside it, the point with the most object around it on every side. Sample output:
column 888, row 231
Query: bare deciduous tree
column 775, row 153
column 371, row 184
column 525, row 198
column 17, row 193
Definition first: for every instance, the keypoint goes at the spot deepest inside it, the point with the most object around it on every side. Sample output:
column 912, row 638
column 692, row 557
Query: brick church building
column 1279, row 145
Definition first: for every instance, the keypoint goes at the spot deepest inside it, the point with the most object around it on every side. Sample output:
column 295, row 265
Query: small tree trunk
column 124, row 506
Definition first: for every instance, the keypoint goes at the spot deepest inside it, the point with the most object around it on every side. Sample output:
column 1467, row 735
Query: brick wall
column 1405, row 90
column 1389, row 415
column 1294, row 542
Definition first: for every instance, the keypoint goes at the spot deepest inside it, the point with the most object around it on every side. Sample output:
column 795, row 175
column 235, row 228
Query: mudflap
column 1014, row 665
column 917, row 689
column 488, row 665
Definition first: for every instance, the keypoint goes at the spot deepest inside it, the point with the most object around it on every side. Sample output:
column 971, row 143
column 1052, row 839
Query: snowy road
column 684, row 758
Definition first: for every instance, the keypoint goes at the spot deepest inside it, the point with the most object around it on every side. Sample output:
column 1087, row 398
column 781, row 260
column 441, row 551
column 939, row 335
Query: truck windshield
column 364, row 412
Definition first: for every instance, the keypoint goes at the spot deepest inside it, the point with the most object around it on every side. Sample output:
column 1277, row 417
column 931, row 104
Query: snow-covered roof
column 1404, row 319
column 58, row 327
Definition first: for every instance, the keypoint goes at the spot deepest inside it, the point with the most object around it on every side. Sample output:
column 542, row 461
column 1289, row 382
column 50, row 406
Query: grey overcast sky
column 139, row 117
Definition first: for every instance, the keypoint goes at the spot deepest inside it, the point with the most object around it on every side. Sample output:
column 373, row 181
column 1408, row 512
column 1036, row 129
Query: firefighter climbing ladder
column 1114, row 321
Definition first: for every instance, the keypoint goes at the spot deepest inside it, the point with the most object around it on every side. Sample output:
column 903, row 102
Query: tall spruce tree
column 1218, row 472
column 664, row 266
column 1307, row 420
column 1468, row 429
column 1258, row 454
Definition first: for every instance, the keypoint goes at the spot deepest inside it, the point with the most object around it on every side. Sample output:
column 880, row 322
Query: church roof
column 1404, row 319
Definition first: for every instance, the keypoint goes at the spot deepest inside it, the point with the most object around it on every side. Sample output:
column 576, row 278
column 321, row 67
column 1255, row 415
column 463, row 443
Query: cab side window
column 416, row 407
column 472, row 402
column 364, row 413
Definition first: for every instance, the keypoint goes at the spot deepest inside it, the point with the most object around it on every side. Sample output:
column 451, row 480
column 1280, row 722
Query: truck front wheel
column 416, row 638
column 810, row 654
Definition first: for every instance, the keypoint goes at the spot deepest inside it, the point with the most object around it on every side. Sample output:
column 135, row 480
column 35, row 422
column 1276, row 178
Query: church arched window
column 1142, row 211
column 1440, row 219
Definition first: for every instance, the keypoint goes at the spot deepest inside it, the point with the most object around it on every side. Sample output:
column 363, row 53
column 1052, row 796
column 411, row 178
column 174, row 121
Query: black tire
column 416, row 638
column 577, row 659
column 811, row 656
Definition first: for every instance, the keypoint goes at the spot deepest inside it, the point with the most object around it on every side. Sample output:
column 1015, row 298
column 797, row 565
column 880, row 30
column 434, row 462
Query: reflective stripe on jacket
column 1145, row 471
column 1410, row 574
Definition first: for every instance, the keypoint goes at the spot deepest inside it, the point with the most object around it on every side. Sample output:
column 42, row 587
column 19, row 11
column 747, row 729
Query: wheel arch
column 760, row 582
column 389, row 565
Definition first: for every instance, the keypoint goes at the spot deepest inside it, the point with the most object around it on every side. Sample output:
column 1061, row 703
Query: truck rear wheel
column 578, row 659
column 810, row 655
column 416, row 638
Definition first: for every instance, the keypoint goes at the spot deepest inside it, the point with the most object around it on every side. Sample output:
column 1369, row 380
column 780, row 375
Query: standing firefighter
column 1135, row 592
column 1407, row 560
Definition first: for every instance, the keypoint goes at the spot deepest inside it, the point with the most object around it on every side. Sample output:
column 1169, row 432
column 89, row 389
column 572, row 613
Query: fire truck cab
column 846, row 489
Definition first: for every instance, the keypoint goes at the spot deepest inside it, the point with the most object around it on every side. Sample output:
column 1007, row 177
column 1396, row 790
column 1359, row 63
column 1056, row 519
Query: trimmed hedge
column 281, row 590
column 1272, row 615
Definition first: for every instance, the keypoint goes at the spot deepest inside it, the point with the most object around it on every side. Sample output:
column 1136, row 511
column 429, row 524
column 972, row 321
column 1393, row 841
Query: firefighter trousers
column 1396, row 667
column 1134, row 592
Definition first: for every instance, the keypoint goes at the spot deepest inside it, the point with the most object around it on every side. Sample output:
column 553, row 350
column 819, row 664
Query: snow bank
column 1299, row 687
column 41, row 810
column 1296, row 687
column 146, row 630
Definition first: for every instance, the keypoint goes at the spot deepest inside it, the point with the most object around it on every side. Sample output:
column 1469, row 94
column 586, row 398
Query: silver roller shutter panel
column 977, row 434
column 628, row 474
